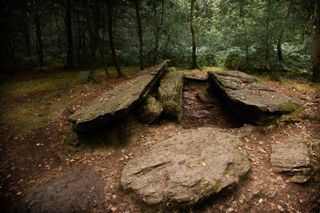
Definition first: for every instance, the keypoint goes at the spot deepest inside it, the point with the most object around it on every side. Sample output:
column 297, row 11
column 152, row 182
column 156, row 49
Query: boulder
column 151, row 110
column 186, row 168
column 77, row 191
column 116, row 103
column 250, row 99
column 292, row 158
column 170, row 93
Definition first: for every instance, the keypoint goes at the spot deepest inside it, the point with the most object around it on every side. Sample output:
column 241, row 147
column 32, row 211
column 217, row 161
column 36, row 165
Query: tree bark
column 38, row 33
column 279, row 42
column 111, row 39
column 193, row 34
column 140, row 35
column 316, row 43
column 68, row 28
column 156, row 32
column 268, row 46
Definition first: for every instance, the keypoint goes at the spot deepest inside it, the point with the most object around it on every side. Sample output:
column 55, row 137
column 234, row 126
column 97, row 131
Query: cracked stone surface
column 116, row 103
column 186, row 167
column 292, row 158
column 249, row 98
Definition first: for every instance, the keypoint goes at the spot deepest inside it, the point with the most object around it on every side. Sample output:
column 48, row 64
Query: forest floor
column 36, row 137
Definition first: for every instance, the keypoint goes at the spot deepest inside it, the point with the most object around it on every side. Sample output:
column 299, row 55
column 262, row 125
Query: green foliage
column 237, row 34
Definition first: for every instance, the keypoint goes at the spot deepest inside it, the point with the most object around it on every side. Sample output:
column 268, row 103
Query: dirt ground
column 45, row 153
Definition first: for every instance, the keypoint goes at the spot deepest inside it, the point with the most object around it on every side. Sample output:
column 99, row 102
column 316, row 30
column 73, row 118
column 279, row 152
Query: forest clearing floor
column 35, row 144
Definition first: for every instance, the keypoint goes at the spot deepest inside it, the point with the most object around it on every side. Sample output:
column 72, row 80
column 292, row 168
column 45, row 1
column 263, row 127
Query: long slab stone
column 116, row 103
column 250, row 99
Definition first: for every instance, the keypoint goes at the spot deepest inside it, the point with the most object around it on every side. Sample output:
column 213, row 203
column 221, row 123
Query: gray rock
column 250, row 99
column 118, row 102
column 151, row 110
column 77, row 191
column 293, row 159
column 170, row 94
column 186, row 168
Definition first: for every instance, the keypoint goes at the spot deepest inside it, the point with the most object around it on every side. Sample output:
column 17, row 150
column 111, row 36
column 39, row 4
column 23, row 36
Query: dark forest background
column 260, row 35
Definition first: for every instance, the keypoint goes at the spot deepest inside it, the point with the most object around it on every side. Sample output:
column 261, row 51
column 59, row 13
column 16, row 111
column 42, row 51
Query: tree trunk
column 268, row 46
column 316, row 43
column 279, row 42
column 11, row 51
column 279, row 48
column 68, row 28
column 193, row 34
column 156, row 32
column 137, row 5
column 111, row 39
column 38, row 35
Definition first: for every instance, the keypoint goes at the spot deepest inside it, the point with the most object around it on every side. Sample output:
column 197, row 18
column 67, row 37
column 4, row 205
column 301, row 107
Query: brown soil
column 43, row 155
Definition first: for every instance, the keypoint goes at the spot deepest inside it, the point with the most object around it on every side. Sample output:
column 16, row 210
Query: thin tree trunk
column 79, row 39
column 267, row 48
column 12, row 51
column 193, row 34
column 316, row 43
column 140, row 35
column 279, row 48
column 279, row 42
column 38, row 33
column 111, row 39
column 156, row 32
column 28, row 44
column 68, row 26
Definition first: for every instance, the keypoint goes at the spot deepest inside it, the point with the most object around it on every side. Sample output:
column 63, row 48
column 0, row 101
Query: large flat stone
column 186, row 168
column 249, row 98
column 116, row 103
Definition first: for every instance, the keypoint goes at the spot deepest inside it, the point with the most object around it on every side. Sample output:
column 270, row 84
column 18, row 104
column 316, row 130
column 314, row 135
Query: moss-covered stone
column 288, row 107
column 250, row 99
column 115, row 104
column 170, row 93
column 151, row 110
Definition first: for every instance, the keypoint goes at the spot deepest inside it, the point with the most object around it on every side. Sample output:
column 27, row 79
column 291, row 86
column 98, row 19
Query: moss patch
column 288, row 107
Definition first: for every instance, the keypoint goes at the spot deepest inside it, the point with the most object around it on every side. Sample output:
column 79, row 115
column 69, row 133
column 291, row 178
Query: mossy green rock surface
column 170, row 93
column 116, row 103
column 249, row 98
column 186, row 168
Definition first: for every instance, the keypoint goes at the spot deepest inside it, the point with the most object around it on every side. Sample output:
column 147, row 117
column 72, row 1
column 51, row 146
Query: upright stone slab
column 250, row 99
column 170, row 93
column 116, row 103
column 186, row 168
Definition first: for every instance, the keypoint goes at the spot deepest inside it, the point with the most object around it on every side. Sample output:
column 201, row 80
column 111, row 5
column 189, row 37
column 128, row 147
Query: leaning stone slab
column 116, row 103
column 186, row 168
column 249, row 98
column 170, row 93
column 77, row 191
column 292, row 158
